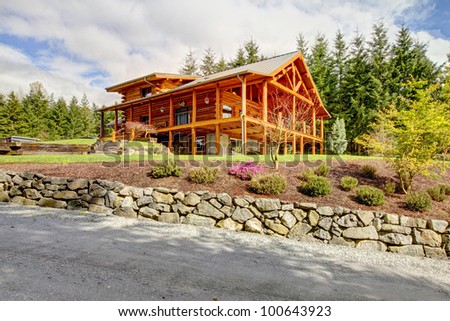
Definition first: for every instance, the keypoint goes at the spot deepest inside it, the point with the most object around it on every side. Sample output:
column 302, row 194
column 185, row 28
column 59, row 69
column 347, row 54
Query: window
column 144, row 120
column 226, row 111
column 146, row 92
column 182, row 116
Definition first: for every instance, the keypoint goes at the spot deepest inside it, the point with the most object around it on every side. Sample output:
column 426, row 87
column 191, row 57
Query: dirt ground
column 136, row 174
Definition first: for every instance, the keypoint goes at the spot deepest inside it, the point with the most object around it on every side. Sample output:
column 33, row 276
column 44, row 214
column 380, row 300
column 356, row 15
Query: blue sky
column 75, row 47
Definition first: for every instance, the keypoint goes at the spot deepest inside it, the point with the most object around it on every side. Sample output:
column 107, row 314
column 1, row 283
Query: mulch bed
column 136, row 174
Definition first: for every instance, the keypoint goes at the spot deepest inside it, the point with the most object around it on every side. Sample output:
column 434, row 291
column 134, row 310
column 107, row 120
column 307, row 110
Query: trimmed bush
column 169, row 168
column 316, row 186
column 306, row 174
column 203, row 175
column 348, row 183
column 323, row 170
column 445, row 188
column 368, row 171
column 370, row 195
column 418, row 201
column 246, row 170
column 390, row 188
column 437, row 193
column 269, row 184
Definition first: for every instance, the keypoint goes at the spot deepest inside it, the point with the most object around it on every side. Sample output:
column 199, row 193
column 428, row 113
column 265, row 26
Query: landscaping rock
column 191, row 199
column 215, row 203
column 162, row 197
column 78, row 184
column 395, row 229
column 4, row 178
column 276, row 227
column 372, row 245
column 325, row 223
column 299, row 230
column 77, row 205
column 33, row 194
column 66, row 195
column 253, row 225
column 125, row 212
column 229, row 224
column 322, row 234
column 23, row 201
column 427, row 237
column 288, row 220
column 50, row 202
column 225, row 199
column 287, row 207
column 349, row 220
column 227, row 210
column 148, row 213
column 127, row 202
column 313, row 218
column 413, row 250
column 306, row 206
column 341, row 241
column 17, row 180
column 239, row 201
column 204, row 208
column 396, row 239
column 325, row 211
column 4, row 196
column 299, row 214
column 144, row 200
column 96, row 190
column 241, row 215
column 179, row 196
column 271, row 214
column 199, row 220
column 94, row 208
column 365, row 217
column 361, row 233
column 169, row 218
column 438, row 225
column 413, row 222
column 267, row 204
column 435, row 253
column 182, row 209
column 391, row 219
column 37, row 185
column 110, row 199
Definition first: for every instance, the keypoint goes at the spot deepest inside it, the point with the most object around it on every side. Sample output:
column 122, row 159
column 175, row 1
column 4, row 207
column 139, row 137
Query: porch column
column 313, row 148
column 194, row 106
column 102, row 124
column 170, row 111
column 321, row 148
column 217, row 140
column 264, row 151
column 294, row 144
column 244, row 136
column 170, row 141
column 314, row 130
column 218, row 113
column 149, row 112
column 264, row 101
column 194, row 142
column 243, row 115
column 301, row 145
column 285, row 143
column 116, row 125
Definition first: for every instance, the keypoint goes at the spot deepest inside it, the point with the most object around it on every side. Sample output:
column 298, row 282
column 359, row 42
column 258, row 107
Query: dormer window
column 145, row 92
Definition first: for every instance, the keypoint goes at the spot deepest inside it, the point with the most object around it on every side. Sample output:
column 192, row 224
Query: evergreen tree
column 75, row 122
column 251, row 52
column 13, row 120
column 208, row 65
column 302, row 46
column 87, row 118
column 36, row 107
column 337, row 140
column 189, row 65
column 60, row 116
column 338, row 72
column 221, row 65
column 239, row 60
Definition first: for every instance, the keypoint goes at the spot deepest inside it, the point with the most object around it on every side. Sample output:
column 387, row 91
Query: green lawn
column 93, row 158
column 76, row 141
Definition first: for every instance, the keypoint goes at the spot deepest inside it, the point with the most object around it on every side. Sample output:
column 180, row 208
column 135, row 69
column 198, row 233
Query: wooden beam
column 285, row 143
column 284, row 88
column 264, row 101
column 170, row 141
column 294, row 144
column 301, row 145
column 194, row 107
column 321, row 128
column 244, row 136
column 217, row 140
column 102, row 125
column 264, row 151
column 149, row 112
column 244, row 97
column 171, row 111
column 194, row 142
column 314, row 130
column 218, row 112
column 314, row 147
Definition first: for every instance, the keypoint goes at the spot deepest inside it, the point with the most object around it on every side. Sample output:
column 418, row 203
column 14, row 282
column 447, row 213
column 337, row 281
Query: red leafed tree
column 285, row 114
column 138, row 128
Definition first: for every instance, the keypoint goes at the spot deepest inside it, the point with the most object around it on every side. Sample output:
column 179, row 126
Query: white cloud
column 127, row 38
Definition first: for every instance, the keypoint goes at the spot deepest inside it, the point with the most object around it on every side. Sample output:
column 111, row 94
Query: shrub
column 271, row 184
column 418, row 201
column 348, row 183
column 368, row 171
column 370, row 195
column 316, row 186
column 168, row 168
column 437, row 193
column 445, row 188
column 390, row 188
column 306, row 174
column 203, row 175
column 322, row 170
column 246, row 170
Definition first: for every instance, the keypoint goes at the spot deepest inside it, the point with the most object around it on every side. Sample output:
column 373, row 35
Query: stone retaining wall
column 374, row 230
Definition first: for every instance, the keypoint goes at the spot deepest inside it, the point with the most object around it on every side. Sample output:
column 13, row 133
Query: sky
column 74, row 47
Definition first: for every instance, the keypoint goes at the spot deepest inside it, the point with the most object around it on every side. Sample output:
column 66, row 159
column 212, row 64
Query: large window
column 182, row 116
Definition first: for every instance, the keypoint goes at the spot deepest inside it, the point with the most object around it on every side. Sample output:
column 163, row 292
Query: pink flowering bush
column 246, row 170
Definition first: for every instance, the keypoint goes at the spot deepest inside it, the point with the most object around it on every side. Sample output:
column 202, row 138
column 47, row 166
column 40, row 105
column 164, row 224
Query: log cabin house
column 237, row 110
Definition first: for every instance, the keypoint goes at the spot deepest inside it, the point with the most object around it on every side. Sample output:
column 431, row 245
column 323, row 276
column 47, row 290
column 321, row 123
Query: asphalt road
column 48, row 254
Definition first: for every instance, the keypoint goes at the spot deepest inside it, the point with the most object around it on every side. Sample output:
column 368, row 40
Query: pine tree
column 60, row 116
column 239, row 60
column 13, row 118
column 320, row 66
column 251, row 52
column 221, row 65
column 36, row 108
column 339, row 69
column 337, row 140
column 302, row 46
column 75, row 123
column 189, row 65
column 87, row 118
column 208, row 65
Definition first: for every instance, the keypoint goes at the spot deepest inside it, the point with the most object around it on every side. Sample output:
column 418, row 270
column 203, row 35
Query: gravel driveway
column 48, row 254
